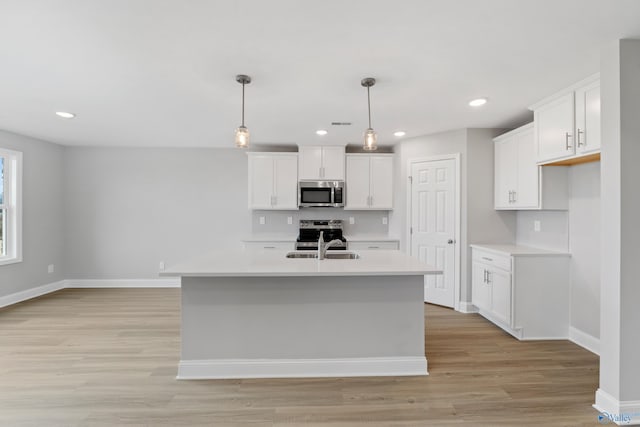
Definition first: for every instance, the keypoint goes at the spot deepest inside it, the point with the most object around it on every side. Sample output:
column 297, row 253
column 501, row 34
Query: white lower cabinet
column 525, row 291
column 373, row 245
column 265, row 245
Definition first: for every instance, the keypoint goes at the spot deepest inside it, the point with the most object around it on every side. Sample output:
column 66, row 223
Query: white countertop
column 370, row 238
column 274, row 263
column 292, row 238
column 517, row 250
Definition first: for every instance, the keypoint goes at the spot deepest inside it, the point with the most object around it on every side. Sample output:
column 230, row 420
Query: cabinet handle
column 275, row 200
column 567, row 135
column 374, row 247
column 484, row 279
column 487, row 259
column 488, row 277
column 269, row 247
column 370, row 200
column 510, row 201
column 579, row 140
column 514, row 196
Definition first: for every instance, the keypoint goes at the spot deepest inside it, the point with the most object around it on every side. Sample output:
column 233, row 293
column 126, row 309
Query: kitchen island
column 261, row 314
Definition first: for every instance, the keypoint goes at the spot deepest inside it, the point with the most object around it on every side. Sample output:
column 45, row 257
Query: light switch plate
column 51, row 268
column 352, row 220
column 161, row 266
column 536, row 225
column 262, row 220
column 289, row 220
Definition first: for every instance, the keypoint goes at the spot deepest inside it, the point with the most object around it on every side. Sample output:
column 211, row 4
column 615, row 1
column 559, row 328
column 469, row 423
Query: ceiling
column 162, row 72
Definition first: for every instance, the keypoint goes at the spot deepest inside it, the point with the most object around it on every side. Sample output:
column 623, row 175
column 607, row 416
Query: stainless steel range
column 310, row 233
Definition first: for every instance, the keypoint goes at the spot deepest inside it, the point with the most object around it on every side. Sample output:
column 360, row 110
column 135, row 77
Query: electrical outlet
column 51, row 268
column 161, row 266
column 352, row 220
column 536, row 225
column 262, row 220
column 385, row 220
column 289, row 220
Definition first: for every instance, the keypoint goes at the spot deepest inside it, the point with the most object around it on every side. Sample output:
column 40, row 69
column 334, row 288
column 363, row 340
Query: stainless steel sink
column 342, row 255
column 310, row 254
column 328, row 255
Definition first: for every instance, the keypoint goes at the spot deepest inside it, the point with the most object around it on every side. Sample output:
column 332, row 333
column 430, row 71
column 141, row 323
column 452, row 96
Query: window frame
column 12, row 205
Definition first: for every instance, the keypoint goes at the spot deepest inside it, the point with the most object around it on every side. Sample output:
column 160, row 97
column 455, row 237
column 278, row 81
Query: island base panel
column 252, row 327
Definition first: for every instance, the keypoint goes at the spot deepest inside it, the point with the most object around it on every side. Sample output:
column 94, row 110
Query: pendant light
column 242, row 133
column 370, row 137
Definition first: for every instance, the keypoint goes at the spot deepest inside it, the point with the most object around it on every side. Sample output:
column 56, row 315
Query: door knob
column 451, row 241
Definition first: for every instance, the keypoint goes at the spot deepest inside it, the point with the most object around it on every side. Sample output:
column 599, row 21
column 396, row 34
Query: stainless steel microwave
column 328, row 194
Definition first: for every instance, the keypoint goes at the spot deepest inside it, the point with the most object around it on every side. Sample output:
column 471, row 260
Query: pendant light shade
column 370, row 137
column 242, row 133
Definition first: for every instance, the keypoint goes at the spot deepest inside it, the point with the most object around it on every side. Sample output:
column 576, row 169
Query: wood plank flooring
column 108, row 357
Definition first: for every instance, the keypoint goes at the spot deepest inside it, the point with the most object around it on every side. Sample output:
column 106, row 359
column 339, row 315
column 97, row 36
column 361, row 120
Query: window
column 10, row 206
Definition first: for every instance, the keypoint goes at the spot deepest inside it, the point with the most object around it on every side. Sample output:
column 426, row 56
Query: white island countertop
column 275, row 263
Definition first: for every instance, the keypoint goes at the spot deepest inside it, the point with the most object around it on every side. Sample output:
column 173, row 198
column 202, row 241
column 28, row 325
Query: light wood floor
column 108, row 357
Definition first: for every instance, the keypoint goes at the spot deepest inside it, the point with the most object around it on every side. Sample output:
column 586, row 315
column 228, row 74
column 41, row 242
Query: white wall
column 479, row 221
column 128, row 209
column 43, row 222
column 577, row 231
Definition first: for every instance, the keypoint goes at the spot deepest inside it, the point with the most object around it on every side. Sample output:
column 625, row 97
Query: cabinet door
column 381, row 187
column 261, row 175
column 310, row 162
column 588, row 118
column 527, row 193
column 506, row 167
column 333, row 163
column 357, row 183
column 554, row 125
column 500, row 283
column 285, row 182
column 480, row 291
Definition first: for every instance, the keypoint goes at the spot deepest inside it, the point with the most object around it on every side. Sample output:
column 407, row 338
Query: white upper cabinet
column 588, row 118
column 555, row 129
column 321, row 163
column 273, row 181
column 567, row 125
column 519, row 182
column 369, row 183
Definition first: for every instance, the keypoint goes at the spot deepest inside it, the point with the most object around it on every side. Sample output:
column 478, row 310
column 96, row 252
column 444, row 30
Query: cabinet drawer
column 285, row 246
column 388, row 245
column 491, row 258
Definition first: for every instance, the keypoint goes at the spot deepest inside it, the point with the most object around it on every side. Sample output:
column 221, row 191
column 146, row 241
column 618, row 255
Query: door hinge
column 410, row 179
column 410, row 230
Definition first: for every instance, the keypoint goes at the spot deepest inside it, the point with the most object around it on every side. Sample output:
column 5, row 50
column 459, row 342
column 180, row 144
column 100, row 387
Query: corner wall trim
column 124, row 283
column 614, row 410
column 301, row 368
column 467, row 307
column 584, row 340
column 32, row 293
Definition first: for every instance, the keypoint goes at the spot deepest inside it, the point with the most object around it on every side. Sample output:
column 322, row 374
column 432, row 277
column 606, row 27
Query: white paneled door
column 433, row 231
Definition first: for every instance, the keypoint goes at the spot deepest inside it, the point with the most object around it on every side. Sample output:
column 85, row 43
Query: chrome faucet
column 322, row 246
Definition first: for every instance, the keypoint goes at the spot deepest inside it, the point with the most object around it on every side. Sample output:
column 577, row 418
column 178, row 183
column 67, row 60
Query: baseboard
column 467, row 307
column 32, row 293
column 613, row 410
column 301, row 368
column 584, row 340
column 124, row 283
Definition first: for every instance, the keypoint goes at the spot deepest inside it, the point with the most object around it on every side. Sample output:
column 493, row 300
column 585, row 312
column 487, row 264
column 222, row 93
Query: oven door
column 316, row 193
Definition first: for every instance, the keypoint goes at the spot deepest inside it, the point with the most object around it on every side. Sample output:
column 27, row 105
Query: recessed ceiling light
column 400, row 133
column 321, row 132
column 478, row 102
column 65, row 115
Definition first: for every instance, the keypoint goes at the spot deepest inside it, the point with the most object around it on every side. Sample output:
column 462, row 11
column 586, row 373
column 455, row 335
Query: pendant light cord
column 369, row 105
column 243, row 105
